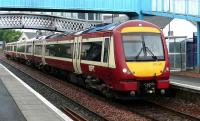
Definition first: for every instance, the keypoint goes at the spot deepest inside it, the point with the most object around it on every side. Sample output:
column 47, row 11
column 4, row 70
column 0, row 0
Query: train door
column 77, row 55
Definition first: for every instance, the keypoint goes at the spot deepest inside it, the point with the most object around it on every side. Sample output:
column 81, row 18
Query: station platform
column 185, row 82
column 19, row 102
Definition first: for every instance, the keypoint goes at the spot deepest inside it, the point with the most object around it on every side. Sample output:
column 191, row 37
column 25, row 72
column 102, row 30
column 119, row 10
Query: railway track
column 183, row 115
column 158, row 112
column 149, row 110
column 73, row 115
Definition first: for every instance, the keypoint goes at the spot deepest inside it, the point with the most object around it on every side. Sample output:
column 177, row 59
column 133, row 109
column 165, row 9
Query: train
column 126, row 59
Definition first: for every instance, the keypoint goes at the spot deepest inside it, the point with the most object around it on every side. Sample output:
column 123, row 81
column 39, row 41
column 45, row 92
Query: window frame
column 70, row 44
column 91, row 42
column 60, row 42
column 35, row 49
column 99, row 39
column 27, row 48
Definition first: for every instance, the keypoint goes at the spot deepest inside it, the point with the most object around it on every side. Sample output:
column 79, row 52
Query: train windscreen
column 143, row 46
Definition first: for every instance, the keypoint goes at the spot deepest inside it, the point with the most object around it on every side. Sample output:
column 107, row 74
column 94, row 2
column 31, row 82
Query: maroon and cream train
column 129, row 58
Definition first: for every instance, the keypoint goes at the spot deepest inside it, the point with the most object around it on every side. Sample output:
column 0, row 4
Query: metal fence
column 182, row 53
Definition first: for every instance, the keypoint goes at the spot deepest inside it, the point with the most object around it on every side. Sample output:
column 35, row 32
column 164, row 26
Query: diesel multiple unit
column 128, row 58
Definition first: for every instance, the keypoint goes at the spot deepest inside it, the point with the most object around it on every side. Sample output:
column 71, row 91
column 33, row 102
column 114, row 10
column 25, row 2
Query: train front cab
column 144, row 59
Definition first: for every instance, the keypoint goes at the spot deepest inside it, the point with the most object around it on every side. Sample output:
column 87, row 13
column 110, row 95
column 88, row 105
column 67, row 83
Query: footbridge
column 135, row 9
column 185, row 9
column 43, row 22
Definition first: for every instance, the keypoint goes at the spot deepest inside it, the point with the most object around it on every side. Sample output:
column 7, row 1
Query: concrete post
column 198, row 47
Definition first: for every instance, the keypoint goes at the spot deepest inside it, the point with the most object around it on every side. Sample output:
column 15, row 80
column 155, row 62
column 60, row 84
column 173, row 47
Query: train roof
column 110, row 27
column 101, row 27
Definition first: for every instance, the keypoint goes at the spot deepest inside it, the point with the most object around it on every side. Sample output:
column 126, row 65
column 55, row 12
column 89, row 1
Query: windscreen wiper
column 142, row 49
column 137, row 56
column 152, row 55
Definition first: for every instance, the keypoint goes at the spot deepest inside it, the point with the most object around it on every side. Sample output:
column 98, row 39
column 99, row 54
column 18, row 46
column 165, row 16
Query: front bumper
column 141, row 85
column 163, row 84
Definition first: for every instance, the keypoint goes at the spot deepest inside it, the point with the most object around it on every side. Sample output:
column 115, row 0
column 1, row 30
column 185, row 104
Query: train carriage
column 20, row 51
column 29, row 52
column 10, row 49
column 128, row 58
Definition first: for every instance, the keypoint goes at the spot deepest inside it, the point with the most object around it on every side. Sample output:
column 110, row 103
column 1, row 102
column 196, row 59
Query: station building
column 27, row 36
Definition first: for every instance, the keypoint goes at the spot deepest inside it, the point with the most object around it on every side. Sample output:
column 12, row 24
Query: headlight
column 124, row 70
column 166, row 69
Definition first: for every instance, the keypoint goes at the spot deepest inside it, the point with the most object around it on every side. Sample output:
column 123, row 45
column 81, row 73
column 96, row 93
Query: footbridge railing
column 186, row 9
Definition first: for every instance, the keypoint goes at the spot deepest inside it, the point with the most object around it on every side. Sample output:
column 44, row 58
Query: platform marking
column 186, row 86
column 50, row 105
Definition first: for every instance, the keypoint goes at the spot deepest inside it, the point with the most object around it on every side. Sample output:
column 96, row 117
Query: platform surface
column 8, row 106
column 19, row 102
column 186, row 82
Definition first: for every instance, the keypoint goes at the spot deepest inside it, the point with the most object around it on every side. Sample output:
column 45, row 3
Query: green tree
column 9, row 35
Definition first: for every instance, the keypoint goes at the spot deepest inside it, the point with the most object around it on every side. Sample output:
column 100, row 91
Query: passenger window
column 21, row 48
column 91, row 51
column 29, row 49
column 68, row 49
column 15, row 48
column 50, row 50
column 38, row 49
column 59, row 50
column 106, row 50
column 47, row 50
column 8, row 48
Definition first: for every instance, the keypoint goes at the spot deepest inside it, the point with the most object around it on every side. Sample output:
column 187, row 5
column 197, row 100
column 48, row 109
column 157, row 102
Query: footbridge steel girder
column 112, row 6
column 43, row 22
